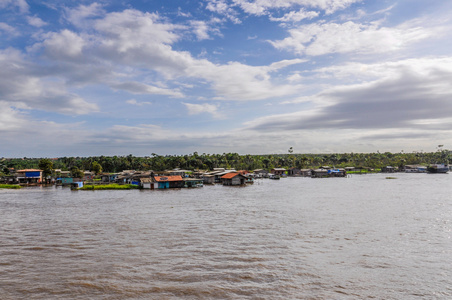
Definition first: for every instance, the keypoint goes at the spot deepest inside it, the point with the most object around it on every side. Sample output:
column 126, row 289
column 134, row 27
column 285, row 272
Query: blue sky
column 84, row 78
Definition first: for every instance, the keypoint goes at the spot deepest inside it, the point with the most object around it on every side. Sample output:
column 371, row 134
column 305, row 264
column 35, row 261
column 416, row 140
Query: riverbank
column 10, row 186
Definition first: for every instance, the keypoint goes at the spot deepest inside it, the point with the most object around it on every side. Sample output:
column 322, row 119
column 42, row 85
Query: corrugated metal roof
column 168, row 178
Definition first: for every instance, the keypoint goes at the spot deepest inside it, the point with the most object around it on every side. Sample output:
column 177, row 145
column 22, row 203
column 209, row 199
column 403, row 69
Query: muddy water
column 296, row 238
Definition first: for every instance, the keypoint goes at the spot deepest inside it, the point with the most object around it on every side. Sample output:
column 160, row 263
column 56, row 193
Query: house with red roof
column 233, row 178
column 166, row 182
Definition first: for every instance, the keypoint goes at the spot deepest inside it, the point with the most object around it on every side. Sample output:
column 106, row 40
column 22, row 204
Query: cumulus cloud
column 80, row 15
column 23, row 84
column 132, row 42
column 56, row 45
column 36, row 21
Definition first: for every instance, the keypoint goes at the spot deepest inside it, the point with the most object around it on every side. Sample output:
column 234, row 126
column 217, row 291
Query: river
column 363, row 237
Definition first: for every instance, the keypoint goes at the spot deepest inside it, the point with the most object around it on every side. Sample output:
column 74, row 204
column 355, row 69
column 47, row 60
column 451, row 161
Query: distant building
column 294, row 172
column 278, row 171
column 388, row 169
column 260, row 173
column 29, row 176
column 233, row 179
column 147, row 183
column 166, row 182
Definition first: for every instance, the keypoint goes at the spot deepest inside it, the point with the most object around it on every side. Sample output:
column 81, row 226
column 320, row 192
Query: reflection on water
column 336, row 238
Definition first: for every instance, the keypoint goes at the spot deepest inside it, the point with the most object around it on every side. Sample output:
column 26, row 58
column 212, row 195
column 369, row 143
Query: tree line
column 196, row 161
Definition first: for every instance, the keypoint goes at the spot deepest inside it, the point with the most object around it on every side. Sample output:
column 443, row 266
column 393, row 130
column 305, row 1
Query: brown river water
column 363, row 237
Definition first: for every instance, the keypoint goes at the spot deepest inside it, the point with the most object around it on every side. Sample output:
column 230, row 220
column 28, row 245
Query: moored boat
column 274, row 176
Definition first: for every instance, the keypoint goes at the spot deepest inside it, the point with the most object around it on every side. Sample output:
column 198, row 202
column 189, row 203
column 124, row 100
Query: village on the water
column 182, row 178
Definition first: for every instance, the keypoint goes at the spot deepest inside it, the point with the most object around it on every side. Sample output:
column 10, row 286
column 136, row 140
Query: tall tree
column 46, row 165
column 96, row 167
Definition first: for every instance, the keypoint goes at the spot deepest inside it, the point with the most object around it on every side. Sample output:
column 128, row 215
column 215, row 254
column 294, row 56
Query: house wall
column 67, row 180
column 163, row 185
column 209, row 180
column 176, row 184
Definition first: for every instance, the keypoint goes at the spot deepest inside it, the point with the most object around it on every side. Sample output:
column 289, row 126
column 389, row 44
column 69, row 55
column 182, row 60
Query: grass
column 109, row 187
column 363, row 172
column 10, row 186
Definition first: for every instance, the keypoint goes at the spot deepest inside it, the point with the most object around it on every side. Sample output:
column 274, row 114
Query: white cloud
column 236, row 81
column 8, row 29
column 405, row 94
column 196, row 109
column 139, row 40
column 22, row 5
column 79, row 16
column 141, row 88
column 36, row 21
column 135, row 102
column 10, row 118
column 25, row 85
column 296, row 16
column 324, row 38
column 200, row 29
column 263, row 7
column 223, row 8
column 56, row 45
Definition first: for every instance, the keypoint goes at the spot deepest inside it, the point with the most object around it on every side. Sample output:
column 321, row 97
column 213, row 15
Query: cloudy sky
column 84, row 78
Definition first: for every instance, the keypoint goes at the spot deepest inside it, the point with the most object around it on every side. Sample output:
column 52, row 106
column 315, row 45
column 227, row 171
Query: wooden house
column 109, row 177
column 166, row 182
column 260, row 173
column 233, row 178
column 147, row 183
column 208, row 178
column 319, row 173
column 305, row 172
column 388, row 169
column 88, row 176
column 219, row 175
column 295, row 172
column 182, row 173
column 279, row 171
column 193, row 182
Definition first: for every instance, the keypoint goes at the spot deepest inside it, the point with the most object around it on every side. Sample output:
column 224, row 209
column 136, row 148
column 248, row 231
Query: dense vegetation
column 226, row 160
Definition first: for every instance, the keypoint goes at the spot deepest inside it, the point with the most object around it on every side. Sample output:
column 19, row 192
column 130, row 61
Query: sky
column 89, row 78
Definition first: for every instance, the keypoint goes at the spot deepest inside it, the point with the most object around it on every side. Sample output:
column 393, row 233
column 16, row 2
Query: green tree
column 76, row 173
column 46, row 165
column 96, row 167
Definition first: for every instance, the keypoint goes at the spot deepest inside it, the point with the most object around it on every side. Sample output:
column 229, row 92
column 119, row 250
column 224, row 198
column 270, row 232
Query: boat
column 438, row 168
column 274, row 176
